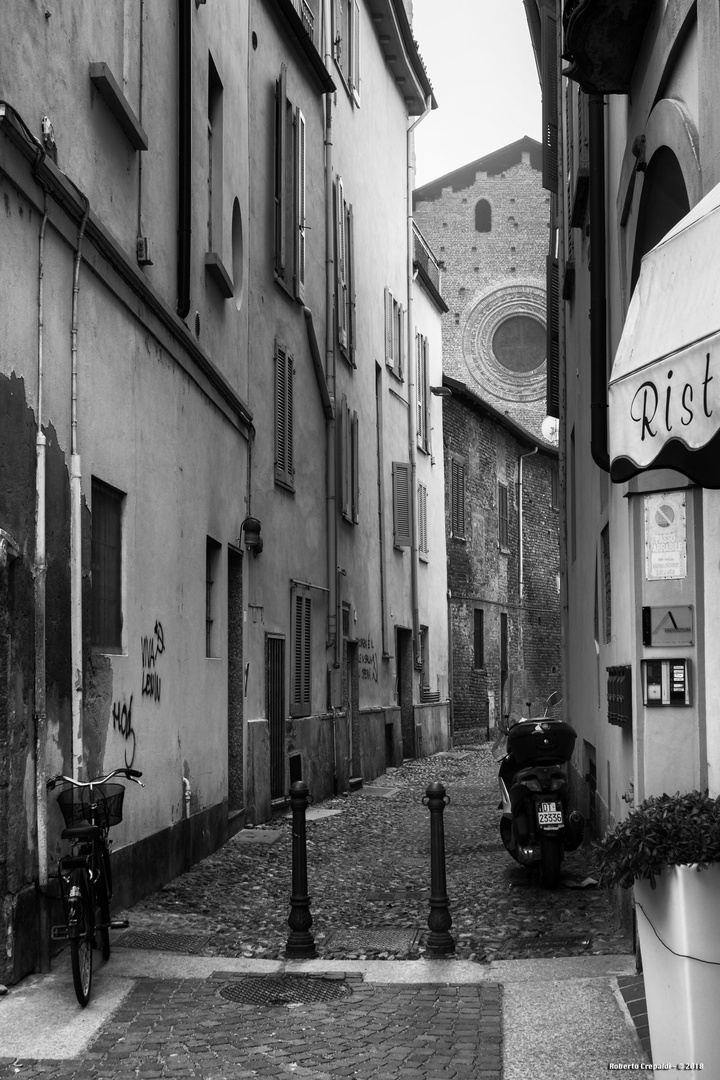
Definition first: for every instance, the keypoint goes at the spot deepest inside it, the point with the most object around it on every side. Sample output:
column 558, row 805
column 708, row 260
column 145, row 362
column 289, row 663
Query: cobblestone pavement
column 369, row 879
column 368, row 859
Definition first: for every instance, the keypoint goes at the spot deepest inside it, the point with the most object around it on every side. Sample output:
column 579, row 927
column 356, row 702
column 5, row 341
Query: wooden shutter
column 458, row 499
column 340, row 265
column 503, row 521
column 355, row 52
column 302, row 669
column 280, row 169
column 401, row 503
column 422, row 519
column 300, row 205
column 389, row 329
column 355, row 470
column 350, row 272
column 553, row 337
column 549, row 59
column 284, row 470
column 344, row 437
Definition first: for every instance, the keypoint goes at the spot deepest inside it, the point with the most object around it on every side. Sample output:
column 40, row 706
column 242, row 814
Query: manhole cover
column 382, row 939
column 285, row 990
column 149, row 939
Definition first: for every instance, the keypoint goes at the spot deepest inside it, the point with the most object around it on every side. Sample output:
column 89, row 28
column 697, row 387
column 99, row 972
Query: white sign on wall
column 665, row 536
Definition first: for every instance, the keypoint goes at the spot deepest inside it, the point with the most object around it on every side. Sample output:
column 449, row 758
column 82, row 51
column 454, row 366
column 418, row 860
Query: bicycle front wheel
column 80, row 934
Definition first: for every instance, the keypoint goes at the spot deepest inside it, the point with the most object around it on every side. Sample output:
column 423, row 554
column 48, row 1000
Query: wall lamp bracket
column 251, row 530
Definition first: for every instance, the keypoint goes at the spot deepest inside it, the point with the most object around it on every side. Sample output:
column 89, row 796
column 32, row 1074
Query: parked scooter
column 535, row 825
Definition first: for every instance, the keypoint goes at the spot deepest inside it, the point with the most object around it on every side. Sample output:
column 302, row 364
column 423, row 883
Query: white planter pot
column 682, row 916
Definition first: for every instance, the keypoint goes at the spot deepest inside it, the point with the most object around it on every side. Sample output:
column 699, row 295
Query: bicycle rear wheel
column 80, row 934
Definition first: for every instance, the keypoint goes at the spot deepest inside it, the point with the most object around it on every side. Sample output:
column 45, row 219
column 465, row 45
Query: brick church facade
column 487, row 223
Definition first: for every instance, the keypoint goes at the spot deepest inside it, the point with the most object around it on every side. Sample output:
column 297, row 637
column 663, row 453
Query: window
column 349, row 462
column 422, row 349
column 555, row 489
column 457, row 500
column 346, row 44
column 215, row 157
column 300, row 675
column 503, row 521
column 284, row 376
column 424, row 649
column 607, row 582
column 289, row 191
column 478, row 638
column 106, row 564
column 422, row 522
column 212, row 573
column 401, row 503
column 344, row 280
column 394, row 334
column 483, row 216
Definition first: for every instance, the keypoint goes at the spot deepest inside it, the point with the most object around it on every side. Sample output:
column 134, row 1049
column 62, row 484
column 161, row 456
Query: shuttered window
column 344, row 277
column 553, row 337
column 106, row 562
column 284, row 374
column 290, row 183
column 549, row 59
column 423, row 521
column 401, row 503
column 301, row 674
column 503, row 520
column 346, row 44
column 422, row 351
column 479, row 639
column 349, row 461
column 394, row 334
column 457, row 497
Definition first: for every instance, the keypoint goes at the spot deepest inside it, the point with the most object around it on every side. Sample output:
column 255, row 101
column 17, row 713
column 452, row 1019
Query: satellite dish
column 550, row 429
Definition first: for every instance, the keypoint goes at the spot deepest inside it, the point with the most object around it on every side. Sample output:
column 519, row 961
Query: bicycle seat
column 81, row 832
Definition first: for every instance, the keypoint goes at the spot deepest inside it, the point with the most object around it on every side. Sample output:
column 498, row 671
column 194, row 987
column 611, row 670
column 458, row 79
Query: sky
column 482, row 68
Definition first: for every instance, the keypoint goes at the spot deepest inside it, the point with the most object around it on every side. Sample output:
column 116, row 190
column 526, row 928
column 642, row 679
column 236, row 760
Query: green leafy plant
column 665, row 830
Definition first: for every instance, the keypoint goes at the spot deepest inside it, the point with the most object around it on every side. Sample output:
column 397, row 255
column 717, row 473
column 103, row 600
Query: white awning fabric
column 664, row 391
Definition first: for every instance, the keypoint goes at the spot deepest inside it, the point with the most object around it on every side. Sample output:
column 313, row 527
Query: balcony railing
column 424, row 257
column 307, row 15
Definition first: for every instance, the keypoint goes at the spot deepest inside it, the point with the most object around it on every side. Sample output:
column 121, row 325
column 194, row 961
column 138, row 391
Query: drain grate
column 285, row 990
column 162, row 942
column 544, row 947
column 382, row 939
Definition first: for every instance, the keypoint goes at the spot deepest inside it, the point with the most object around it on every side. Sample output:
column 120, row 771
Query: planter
column 682, row 914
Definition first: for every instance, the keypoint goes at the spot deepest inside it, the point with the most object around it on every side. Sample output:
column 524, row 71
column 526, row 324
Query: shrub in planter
column 665, row 830
column 668, row 849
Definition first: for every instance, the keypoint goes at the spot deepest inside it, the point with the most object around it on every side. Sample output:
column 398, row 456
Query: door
column 275, row 711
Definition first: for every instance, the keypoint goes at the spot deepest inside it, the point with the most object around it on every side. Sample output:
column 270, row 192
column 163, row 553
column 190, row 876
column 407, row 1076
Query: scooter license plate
column 549, row 813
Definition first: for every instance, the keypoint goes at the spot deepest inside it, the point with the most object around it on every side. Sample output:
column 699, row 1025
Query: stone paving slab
column 185, row 1028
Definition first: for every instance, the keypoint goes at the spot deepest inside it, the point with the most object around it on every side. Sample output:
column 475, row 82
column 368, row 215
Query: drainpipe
column 412, row 390
column 334, row 599
column 598, row 298
column 184, row 156
column 521, row 572
column 40, row 579
column 76, row 642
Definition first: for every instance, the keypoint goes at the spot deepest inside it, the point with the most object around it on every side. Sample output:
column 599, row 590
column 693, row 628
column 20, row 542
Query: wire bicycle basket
column 76, row 805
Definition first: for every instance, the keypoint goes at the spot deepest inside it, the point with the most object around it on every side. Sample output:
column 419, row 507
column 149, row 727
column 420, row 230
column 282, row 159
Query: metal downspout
column 184, row 156
column 334, row 600
column 412, row 389
column 76, row 643
column 598, row 297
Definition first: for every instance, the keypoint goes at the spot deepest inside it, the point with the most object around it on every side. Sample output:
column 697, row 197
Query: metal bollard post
column 300, row 942
column 439, row 941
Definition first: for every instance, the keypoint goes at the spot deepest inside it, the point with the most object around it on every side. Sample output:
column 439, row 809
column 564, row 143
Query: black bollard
column 439, row 940
column 300, row 942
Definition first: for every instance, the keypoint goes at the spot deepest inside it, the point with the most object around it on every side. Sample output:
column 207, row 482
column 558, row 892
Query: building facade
column 632, row 161
column 204, row 414
column 488, row 224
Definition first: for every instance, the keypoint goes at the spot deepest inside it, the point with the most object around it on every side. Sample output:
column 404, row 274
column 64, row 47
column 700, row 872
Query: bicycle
column 90, row 809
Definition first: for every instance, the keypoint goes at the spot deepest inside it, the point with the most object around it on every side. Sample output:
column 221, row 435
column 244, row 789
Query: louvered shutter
column 280, row 169
column 283, row 415
column 341, row 270
column 355, row 468
column 548, row 45
column 302, row 669
column 419, row 387
column 553, row 337
column 401, row 503
column 458, row 499
column 300, row 205
column 389, row 329
column 355, row 52
column 350, row 271
column 422, row 519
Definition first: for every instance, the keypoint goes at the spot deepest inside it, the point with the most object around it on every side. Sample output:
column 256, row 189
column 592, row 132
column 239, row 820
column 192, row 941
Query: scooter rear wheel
column 551, row 852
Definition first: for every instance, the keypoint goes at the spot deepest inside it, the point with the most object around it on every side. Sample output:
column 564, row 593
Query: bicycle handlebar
column 129, row 774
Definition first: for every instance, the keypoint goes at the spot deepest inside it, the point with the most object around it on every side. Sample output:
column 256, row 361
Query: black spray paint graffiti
column 122, row 721
column 367, row 660
column 152, row 647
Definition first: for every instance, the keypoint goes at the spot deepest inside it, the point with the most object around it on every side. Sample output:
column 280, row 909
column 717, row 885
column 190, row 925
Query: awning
column 664, row 392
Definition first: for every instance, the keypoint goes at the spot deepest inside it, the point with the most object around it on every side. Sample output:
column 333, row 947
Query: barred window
column 106, row 564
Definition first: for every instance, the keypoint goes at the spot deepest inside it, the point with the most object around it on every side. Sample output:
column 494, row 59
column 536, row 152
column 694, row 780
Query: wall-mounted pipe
column 184, row 155
column 76, row 643
column 598, row 295
column 334, row 637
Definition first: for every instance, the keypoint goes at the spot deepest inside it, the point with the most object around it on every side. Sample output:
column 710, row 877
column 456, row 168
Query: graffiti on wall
column 122, row 722
column 367, row 660
column 152, row 647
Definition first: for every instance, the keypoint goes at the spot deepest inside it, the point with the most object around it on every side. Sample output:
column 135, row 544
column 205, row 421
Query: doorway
column 275, row 711
column 236, row 794
column 404, row 682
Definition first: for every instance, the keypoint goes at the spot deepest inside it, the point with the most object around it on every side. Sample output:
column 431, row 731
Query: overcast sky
column 482, row 68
